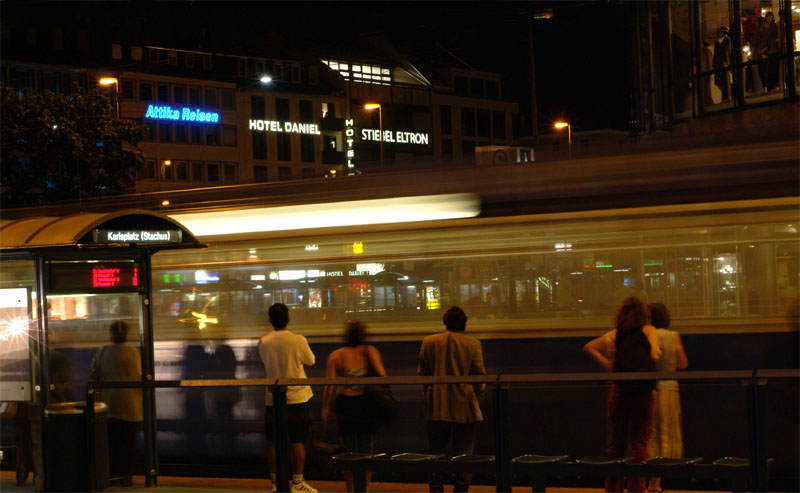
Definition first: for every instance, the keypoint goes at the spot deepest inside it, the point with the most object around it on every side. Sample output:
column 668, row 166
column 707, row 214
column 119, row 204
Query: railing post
column 90, row 438
column 280, row 430
column 503, row 454
column 756, row 434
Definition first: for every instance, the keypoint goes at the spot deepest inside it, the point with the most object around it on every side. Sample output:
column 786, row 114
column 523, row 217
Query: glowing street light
column 373, row 106
column 107, row 81
column 265, row 79
column 559, row 126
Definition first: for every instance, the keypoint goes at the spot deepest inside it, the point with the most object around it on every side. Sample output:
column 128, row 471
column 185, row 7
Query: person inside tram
column 354, row 416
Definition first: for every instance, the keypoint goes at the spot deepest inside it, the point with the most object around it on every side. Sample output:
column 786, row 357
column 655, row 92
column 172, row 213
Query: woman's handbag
column 383, row 404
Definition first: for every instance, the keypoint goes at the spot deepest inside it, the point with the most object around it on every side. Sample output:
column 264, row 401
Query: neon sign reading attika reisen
column 184, row 114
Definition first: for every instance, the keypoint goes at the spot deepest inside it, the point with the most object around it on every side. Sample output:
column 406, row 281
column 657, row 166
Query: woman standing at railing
column 630, row 404
column 354, row 415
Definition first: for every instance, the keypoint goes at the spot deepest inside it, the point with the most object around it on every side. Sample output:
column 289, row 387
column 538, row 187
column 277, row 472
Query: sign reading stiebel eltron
column 287, row 127
column 137, row 236
column 397, row 137
column 184, row 114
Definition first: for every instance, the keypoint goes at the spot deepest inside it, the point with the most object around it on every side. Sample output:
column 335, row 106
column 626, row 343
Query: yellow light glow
column 561, row 124
column 371, row 106
column 165, row 203
column 167, row 162
column 358, row 247
column 336, row 214
column 107, row 81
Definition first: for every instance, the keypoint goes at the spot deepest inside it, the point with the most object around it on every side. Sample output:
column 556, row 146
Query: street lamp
column 560, row 125
column 370, row 107
column 166, row 165
column 107, row 81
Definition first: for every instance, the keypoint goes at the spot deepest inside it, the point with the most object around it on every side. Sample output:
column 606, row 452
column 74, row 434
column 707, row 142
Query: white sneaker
column 302, row 487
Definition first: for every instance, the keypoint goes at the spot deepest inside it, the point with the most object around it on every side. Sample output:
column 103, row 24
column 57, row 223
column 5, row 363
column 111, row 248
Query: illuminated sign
column 396, row 137
column 285, row 127
column 350, row 135
column 137, row 236
column 111, row 277
column 183, row 114
column 90, row 277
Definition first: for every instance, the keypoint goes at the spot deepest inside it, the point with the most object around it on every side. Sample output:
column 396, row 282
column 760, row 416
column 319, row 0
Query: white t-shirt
column 284, row 354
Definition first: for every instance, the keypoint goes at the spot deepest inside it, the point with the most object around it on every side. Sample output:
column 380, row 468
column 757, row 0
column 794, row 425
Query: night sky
column 583, row 53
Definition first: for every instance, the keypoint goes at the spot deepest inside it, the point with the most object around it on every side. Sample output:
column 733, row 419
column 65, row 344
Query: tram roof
column 81, row 230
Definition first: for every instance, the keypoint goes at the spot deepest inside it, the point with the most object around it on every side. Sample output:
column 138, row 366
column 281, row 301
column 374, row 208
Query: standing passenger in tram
column 285, row 355
column 452, row 411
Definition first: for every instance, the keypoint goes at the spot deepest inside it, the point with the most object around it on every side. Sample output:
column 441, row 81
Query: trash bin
column 66, row 459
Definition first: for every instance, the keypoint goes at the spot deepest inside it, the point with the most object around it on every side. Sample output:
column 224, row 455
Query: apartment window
column 189, row 60
column 210, row 99
column 83, row 41
column 284, row 147
column 492, row 89
column 259, row 174
column 152, row 55
column 49, row 81
column 206, row 62
column 447, row 146
column 212, row 135
column 468, row 146
column 498, row 124
column 172, row 58
column 468, row 122
column 116, row 51
column 150, row 131
column 446, row 118
column 195, row 134
column 212, row 171
column 307, row 173
column 484, row 125
column 229, row 172
column 181, row 170
column 180, row 133
column 259, row 144
column 282, row 109
column 179, row 94
column 229, row 135
column 460, row 85
column 313, row 75
column 476, row 88
column 194, row 95
column 149, row 171
column 328, row 110
column 136, row 53
column 163, row 93
column 128, row 89
column 284, row 173
column 145, row 91
column 241, row 67
column 58, row 39
column 306, row 111
column 197, row 170
column 257, row 109
column 296, row 74
column 164, row 132
column 226, row 99
column 307, row 148
column 166, row 171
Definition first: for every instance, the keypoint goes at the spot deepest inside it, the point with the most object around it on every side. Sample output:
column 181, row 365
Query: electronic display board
column 95, row 277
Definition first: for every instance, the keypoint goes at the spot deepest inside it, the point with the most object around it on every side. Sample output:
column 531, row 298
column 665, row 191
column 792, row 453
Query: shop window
column 446, row 118
column 307, row 173
column 282, row 110
column 284, row 173
column 145, row 91
column 476, row 88
column 307, row 148
column 498, row 124
column 181, row 170
column 484, row 126
column 229, row 136
column 180, row 133
column 195, row 134
column 164, row 132
column 212, row 135
column 179, row 94
column 257, row 108
column 260, row 174
column 460, row 85
column 229, row 172
column 259, row 144
column 492, row 89
column 194, row 95
column 306, row 111
column 468, row 122
column 198, row 171
column 227, row 99
column 163, row 93
column 212, row 171
column 150, row 131
column 128, row 89
column 284, row 147
column 447, row 146
column 468, row 147
column 149, row 172
column 210, row 99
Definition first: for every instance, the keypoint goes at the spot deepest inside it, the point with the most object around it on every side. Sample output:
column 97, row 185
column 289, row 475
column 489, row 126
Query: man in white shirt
column 284, row 355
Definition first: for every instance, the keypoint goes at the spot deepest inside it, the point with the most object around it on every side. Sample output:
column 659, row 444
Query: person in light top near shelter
column 285, row 355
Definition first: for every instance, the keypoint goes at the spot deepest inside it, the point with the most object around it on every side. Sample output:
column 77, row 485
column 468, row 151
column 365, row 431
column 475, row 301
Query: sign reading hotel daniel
column 184, row 114
column 286, row 127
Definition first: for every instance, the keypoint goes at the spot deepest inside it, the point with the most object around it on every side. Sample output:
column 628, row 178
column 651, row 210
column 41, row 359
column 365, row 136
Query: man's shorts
column 299, row 417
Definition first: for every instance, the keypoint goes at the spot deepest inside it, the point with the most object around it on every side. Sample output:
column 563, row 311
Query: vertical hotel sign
column 350, row 135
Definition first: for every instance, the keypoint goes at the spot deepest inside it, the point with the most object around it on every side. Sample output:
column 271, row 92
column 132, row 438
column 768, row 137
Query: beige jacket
column 451, row 354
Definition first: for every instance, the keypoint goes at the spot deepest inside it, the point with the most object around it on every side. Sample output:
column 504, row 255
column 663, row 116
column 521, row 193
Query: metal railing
column 754, row 380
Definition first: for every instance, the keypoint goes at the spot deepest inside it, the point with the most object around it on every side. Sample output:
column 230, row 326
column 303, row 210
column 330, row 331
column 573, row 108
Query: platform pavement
column 216, row 485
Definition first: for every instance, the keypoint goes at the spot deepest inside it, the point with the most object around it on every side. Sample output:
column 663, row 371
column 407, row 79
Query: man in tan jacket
column 452, row 411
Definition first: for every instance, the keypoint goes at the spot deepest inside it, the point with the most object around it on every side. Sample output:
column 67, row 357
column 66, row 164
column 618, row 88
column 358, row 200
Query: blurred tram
column 539, row 268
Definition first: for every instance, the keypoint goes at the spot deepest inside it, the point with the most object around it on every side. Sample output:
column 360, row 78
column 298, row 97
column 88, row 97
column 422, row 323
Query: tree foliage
column 64, row 147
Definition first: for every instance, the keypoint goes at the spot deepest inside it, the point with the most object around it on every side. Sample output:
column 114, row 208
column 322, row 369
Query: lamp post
column 107, row 81
column 560, row 125
column 370, row 107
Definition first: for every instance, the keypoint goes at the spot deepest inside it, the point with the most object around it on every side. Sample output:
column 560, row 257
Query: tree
column 64, row 147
